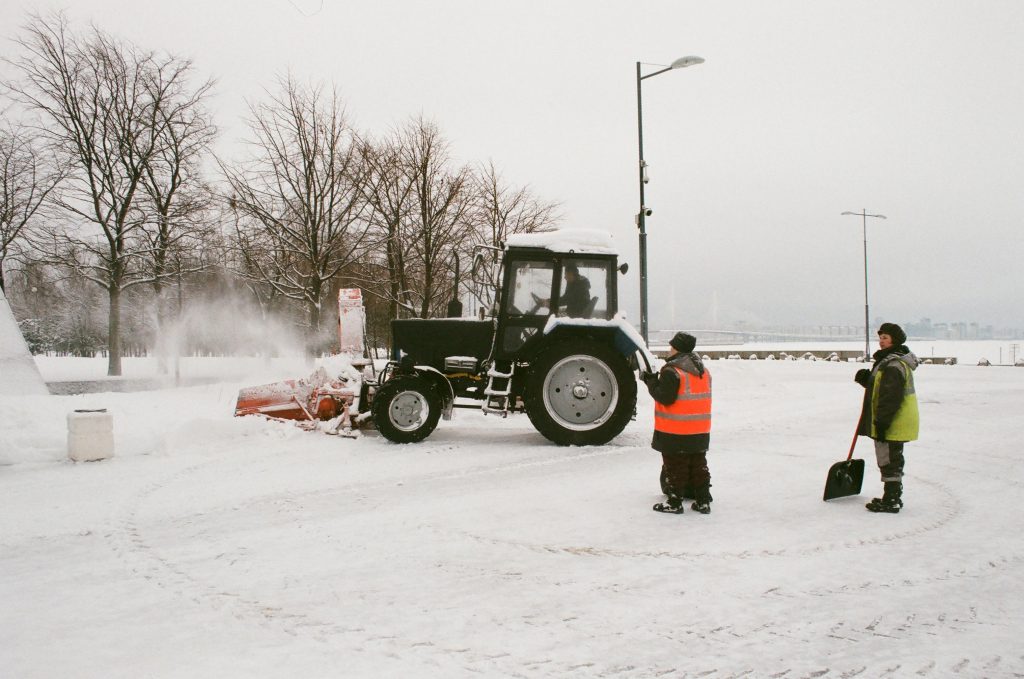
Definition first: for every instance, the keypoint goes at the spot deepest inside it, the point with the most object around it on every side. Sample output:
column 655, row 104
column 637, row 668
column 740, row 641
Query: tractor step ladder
column 499, row 388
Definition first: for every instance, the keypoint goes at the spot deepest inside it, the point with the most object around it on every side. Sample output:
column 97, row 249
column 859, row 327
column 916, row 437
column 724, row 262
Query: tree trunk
column 114, row 333
column 392, row 260
column 428, row 290
column 313, row 336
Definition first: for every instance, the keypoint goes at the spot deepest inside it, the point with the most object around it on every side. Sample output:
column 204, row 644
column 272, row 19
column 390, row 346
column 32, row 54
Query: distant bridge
column 659, row 344
column 705, row 336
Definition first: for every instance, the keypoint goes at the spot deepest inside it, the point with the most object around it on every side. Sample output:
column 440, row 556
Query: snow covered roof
column 585, row 241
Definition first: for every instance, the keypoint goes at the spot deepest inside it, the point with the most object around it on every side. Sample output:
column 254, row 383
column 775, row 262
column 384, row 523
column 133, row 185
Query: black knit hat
column 683, row 342
column 894, row 331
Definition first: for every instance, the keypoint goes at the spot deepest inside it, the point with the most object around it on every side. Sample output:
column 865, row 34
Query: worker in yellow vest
column 889, row 413
column 682, row 426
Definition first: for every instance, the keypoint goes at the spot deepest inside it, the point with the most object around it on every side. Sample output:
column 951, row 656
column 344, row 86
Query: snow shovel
column 845, row 477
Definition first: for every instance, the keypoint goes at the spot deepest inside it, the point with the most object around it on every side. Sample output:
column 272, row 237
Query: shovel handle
column 853, row 444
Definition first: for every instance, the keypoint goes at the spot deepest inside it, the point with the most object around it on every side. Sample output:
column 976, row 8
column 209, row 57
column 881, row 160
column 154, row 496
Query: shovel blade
column 844, row 478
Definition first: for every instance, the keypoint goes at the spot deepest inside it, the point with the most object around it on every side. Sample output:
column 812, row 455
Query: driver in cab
column 575, row 296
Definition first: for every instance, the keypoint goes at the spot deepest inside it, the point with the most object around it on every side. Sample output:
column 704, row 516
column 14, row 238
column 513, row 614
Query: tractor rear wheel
column 406, row 409
column 580, row 392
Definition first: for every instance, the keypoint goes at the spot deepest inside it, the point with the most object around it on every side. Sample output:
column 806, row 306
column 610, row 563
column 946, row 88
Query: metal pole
column 863, row 214
column 641, row 220
column 867, row 326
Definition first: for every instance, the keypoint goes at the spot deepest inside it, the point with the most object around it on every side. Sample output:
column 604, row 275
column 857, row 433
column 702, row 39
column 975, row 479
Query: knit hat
column 894, row 331
column 683, row 342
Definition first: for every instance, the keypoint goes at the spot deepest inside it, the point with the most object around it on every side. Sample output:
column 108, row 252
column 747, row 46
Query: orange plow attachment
column 308, row 401
column 329, row 393
column 287, row 400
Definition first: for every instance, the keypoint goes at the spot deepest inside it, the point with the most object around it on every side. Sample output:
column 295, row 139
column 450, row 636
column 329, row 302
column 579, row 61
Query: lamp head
column 683, row 62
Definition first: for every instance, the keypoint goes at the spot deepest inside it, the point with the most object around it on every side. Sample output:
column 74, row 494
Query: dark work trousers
column 890, row 459
column 685, row 471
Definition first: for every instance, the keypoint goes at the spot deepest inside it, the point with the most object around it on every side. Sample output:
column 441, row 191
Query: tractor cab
column 538, row 282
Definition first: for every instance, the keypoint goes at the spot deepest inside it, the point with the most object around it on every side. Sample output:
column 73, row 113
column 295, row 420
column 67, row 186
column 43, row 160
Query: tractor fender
column 443, row 386
column 617, row 333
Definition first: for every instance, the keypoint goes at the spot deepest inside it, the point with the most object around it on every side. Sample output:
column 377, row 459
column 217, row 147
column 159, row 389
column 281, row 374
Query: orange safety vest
column 690, row 413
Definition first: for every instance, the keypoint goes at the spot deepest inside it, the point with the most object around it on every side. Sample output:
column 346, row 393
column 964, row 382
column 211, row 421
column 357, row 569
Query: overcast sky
column 802, row 110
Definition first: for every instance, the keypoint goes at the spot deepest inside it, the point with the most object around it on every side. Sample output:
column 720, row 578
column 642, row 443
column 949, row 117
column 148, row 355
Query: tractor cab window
column 530, row 288
column 584, row 288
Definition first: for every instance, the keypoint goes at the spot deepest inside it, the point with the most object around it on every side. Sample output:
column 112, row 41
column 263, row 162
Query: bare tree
column 104, row 107
column 426, row 217
column 179, row 200
column 442, row 201
column 180, row 206
column 502, row 210
column 27, row 178
column 388, row 190
column 299, row 197
column 57, row 310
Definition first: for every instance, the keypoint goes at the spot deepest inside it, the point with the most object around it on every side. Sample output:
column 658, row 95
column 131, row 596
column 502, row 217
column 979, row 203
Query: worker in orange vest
column 682, row 426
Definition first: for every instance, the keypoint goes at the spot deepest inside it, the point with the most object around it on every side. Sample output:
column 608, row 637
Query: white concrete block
column 90, row 435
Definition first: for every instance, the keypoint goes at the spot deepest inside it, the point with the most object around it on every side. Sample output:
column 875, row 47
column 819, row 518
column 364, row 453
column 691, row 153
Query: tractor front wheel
column 406, row 409
column 580, row 392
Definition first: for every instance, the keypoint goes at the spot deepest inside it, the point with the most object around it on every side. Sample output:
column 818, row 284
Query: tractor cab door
column 526, row 304
column 588, row 288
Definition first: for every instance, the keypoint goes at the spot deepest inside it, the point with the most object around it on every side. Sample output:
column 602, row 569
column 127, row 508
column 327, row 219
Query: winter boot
column 673, row 506
column 891, row 500
column 702, row 500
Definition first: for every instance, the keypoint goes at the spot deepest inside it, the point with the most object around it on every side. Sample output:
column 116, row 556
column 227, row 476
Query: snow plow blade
column 318, row 398
column 287, row 400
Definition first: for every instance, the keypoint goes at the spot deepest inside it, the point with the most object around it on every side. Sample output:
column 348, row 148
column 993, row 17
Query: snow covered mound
column 18, row 372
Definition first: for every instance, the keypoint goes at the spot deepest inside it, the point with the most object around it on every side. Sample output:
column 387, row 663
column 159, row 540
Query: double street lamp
column 863, row 214
column 641, row 218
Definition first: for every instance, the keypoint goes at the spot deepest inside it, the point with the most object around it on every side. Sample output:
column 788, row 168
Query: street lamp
column 863, row 214
column 645, row 212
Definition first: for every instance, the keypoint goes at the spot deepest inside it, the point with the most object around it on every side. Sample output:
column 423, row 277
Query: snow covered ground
column 215, row 546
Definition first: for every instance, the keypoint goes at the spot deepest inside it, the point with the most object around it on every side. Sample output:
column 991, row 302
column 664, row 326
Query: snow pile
column 18, row 372
column 571, row 241
column 337, row 366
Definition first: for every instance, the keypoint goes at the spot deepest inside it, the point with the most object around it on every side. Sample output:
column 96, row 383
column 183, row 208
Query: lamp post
column 641, row 218
column 863, row 214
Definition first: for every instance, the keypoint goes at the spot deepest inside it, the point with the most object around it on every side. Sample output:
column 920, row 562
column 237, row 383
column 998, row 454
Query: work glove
column 862, row 377
column 880, row 430
column 649, row 378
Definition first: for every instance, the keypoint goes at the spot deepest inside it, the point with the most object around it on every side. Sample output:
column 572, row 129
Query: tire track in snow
column 128, row 542
column 541, row 460
column 948, row 513
column 130, row 545
column 176, row 577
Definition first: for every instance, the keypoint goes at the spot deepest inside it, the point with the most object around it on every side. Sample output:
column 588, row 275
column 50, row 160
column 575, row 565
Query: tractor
column 548, row 341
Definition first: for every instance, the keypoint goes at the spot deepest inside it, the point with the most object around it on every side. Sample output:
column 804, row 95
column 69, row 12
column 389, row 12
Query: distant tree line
column 122, row 232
